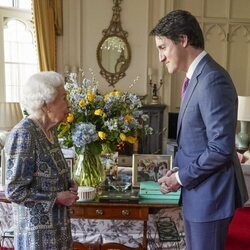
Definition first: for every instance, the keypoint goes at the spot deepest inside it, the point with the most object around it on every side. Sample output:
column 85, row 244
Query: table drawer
column 99, row 212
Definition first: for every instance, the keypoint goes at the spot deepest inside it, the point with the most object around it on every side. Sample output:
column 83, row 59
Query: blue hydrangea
column 83, row 134
column 111, row 124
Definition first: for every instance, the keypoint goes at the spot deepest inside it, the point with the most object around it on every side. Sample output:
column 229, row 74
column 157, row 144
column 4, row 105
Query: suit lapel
column 190, row 90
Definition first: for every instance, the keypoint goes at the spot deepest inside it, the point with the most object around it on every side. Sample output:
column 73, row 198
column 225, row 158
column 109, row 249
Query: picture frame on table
column 149, row 167
column 70, row 162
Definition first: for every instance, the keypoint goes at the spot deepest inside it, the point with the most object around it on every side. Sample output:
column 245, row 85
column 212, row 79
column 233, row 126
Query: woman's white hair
column 40, row 88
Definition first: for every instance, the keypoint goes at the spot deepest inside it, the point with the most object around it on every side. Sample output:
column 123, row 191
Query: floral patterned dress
column 35, row 172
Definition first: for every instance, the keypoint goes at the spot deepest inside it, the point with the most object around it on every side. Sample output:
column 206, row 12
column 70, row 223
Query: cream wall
column 84, row 21
column 225, row 24
column 226, row 29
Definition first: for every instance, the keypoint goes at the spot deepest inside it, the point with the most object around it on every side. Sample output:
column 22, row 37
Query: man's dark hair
column 177, row 23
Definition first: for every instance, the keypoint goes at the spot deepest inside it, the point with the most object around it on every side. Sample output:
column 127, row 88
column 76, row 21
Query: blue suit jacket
column 210, row 172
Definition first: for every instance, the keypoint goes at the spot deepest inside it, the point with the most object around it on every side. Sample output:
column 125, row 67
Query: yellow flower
column 113, row 93
column 91, row 96
column 98, row 112
column 123, row 137
column 82, row 103
column 70, row 117
column 106, row 96
column 116, row 93
column 131, row 139
column 102, row 135
column 128, row 118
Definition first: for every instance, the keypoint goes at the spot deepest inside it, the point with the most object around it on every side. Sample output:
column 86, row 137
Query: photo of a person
column 150, row 167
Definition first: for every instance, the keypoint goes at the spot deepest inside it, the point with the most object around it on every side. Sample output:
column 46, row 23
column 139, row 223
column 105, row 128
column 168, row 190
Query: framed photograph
column 70, row 162
column 149, row 167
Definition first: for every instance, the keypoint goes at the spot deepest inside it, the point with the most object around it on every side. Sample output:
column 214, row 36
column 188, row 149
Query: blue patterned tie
column 184, row 87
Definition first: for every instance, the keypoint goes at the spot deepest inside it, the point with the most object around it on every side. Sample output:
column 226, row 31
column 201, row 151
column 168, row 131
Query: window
column 18, row 51
column 22, row 4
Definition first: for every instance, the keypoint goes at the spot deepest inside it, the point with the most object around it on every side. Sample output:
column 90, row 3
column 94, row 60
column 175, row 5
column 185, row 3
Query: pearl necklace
column 48, row 134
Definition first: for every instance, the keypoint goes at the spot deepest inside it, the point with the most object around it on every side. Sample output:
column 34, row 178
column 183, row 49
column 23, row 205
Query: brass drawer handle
column 99, row 212
column 125, row 212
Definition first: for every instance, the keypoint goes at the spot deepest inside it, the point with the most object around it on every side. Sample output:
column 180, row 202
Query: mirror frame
column 114, row 29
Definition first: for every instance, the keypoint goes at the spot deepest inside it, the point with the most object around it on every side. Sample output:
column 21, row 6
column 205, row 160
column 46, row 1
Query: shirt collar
column 194, row 64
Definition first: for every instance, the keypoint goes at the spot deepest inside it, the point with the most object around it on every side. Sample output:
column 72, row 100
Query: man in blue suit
column 209, row 172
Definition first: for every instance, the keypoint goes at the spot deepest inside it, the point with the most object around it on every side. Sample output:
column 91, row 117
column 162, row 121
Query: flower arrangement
column 100, row 122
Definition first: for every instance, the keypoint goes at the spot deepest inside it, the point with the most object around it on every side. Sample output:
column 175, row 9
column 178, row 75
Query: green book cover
column 158, row 201
column 168, row 196
column 151, row 190
column 149, row 187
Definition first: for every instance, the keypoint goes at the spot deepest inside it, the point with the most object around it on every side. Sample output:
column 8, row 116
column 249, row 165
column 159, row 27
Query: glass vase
column 110, row 165
column 88, row 169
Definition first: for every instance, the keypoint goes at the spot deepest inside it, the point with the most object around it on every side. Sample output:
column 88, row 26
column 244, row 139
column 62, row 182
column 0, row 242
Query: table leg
column 145, row 237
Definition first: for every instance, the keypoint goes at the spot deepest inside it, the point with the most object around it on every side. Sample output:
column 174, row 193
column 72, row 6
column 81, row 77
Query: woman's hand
column 66, row 198
column 73, row 186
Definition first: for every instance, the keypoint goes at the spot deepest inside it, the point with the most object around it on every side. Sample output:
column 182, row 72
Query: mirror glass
column 114, row 54
column 113, row 51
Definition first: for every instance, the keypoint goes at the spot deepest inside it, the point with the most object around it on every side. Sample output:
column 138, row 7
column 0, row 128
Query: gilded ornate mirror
column 113, row 51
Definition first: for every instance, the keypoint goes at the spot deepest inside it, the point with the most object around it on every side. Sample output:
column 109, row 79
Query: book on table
column 150, row 193
column 128, row 196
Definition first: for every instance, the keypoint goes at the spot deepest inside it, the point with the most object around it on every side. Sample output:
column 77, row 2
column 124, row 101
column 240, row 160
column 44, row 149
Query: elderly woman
column 37, row 176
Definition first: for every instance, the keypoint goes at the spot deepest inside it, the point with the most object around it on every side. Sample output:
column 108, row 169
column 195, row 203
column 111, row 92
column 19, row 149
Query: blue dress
column 35, row 172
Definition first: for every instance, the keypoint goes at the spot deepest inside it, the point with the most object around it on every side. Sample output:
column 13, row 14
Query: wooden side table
column 117, row 211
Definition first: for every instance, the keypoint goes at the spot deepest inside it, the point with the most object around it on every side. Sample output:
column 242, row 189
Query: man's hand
column 169, row 182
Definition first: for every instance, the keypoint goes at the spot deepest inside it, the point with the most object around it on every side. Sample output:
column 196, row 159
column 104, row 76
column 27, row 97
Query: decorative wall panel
column 216, row 41
column 239, row 9
column 215, row 8
column 226, row 29
column 238, row 57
